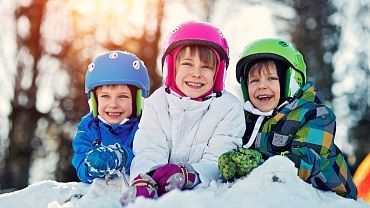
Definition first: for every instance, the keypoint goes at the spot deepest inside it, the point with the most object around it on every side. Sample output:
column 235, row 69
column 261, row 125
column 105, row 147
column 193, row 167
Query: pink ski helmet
column 196, row 33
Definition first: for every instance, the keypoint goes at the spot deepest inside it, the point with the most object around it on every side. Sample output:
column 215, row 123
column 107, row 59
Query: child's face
column 193, row 77
column 264, row 87
column 114, row 102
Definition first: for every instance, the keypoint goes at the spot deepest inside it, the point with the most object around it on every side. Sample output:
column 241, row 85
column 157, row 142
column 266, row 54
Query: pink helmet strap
column 218, row 79
column 171, row 71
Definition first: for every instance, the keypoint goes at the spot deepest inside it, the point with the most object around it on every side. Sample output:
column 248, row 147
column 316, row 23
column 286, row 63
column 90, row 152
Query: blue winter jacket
column 91, row 129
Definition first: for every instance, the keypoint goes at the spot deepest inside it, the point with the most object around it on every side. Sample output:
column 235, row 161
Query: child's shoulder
column 85, row 120
column 227, row 98
column 158, row 97
column 158, row 93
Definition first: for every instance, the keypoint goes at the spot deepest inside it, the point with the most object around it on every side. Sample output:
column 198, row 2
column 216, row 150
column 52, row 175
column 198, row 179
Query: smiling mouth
column 264, row 97
column 114, row 114
column 194, row 84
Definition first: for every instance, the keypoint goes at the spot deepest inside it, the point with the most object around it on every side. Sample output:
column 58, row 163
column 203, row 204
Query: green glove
column 238, row 163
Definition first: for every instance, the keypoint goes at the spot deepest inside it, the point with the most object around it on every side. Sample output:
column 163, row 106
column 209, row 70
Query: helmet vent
column 283, row 43
column 91, row 67
column 113, row 55
column 136, row 64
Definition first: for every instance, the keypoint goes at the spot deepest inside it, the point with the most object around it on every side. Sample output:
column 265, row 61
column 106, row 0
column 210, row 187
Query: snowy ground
column 257, row 190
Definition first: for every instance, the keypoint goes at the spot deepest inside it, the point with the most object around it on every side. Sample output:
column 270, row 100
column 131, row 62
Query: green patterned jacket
column 304, row 131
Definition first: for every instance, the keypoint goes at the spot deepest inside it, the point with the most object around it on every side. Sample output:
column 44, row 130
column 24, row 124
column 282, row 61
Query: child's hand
column 171, row 176
column 103, row 160
column 238, row 163
column 143, row 185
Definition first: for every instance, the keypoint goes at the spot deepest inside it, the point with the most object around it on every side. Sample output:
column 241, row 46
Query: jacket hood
column 306, row 94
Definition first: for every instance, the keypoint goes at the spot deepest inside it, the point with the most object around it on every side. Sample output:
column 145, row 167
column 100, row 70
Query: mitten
column 143, row 185
column 171, row 176
column 102, row 160
column 227, row 166
column 238, row 163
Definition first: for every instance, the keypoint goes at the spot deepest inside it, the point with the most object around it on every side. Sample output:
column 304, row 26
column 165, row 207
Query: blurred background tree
column 352, row 75
column 24, row 116
column 316, row 35
column 54, row 41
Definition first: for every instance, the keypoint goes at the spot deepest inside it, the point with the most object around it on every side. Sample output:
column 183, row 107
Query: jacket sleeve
column 313, row 141
column 227, row 136
column 316, row 156
column 129, row 157
column 82, row 143
column 150, row 146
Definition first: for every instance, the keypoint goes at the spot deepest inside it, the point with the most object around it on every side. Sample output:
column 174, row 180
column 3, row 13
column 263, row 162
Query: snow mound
column 273, row 184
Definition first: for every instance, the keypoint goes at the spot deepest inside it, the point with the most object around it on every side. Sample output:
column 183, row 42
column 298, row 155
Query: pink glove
column 171, row 176
column 143, row 185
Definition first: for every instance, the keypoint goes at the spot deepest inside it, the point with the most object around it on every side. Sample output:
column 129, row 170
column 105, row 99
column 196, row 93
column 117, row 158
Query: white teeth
column 113, row 114
column 264, row 96
column 194, row 84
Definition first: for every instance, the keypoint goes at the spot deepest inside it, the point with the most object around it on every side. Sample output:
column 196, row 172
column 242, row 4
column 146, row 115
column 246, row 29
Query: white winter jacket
column 179, row 130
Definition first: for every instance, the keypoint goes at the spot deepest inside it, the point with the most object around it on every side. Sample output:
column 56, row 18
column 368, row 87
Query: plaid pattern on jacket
column 304, row 131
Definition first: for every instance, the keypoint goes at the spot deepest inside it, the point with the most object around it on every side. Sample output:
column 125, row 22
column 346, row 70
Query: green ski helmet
column 273, row 49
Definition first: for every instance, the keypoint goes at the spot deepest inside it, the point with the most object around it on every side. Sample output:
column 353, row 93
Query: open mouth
column 114, row 114
column 194, row 84
column 264, row 97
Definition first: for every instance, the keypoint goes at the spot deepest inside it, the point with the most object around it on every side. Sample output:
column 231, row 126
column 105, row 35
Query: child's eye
column 253, row 81
column 104, row 96
column 124, row 96
column 207, row 68
column 273, row 78
column 186, row 63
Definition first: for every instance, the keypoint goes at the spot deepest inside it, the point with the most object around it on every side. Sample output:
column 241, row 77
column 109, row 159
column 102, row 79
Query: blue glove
column 104, row 160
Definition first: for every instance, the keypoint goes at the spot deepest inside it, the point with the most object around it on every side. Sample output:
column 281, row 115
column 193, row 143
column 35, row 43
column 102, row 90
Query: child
column 286, row 115
column 115, row 83
column 188, row 123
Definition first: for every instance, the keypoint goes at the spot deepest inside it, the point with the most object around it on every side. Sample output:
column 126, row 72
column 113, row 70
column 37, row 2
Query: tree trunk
column 317, row 38
column 18, row 160
column 24, row 116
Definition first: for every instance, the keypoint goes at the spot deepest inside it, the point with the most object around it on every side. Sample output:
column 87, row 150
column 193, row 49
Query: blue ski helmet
column 117, row 67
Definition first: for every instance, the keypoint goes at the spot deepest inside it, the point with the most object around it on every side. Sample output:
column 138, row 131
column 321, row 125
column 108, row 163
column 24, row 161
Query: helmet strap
column 93, row 104
column 282, row 70
column 170, row 75
column 139, row 102
column 294, row 81
column 219, row 77
column 244, row 89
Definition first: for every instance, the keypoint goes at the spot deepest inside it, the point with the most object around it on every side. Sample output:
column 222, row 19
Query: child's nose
column 114, row 103
column 196, row 71
column 263, row 84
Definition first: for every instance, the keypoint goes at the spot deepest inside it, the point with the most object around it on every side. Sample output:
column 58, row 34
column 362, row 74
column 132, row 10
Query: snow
column 273, row 184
